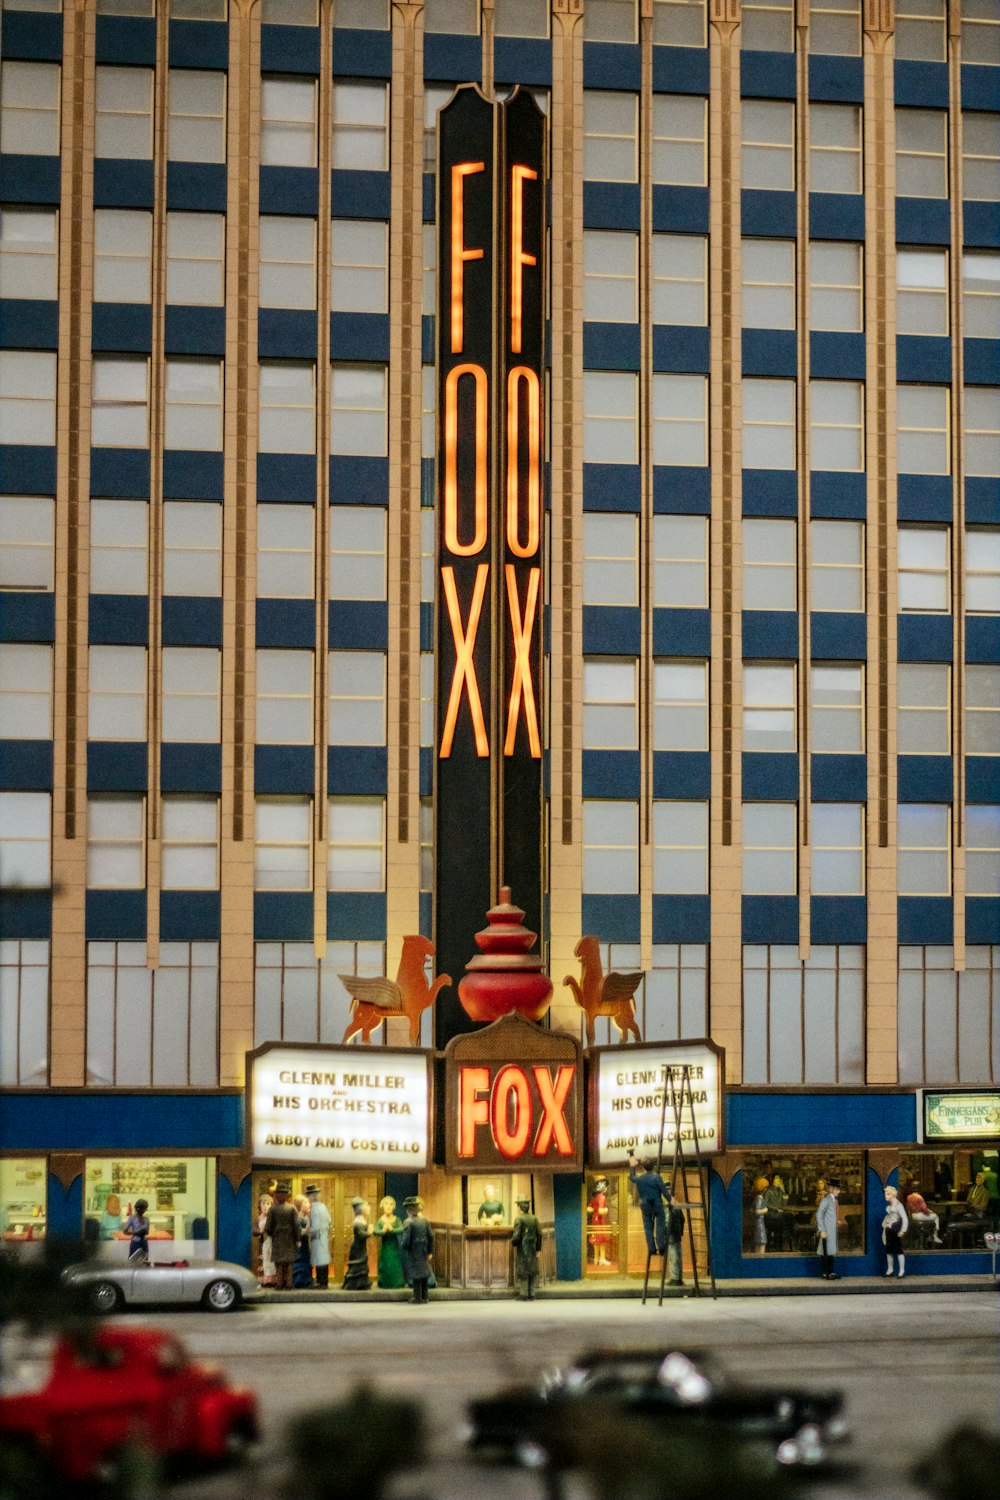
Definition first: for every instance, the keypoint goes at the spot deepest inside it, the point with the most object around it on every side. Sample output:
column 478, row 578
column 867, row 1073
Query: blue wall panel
column 923, row 358
column 190, row 916
column 286, row 477
column 613, row 919
column 27, row 617
column 982, row 638
column 129, row 40
column 925, row 497
column 191, row 768
column 611, row 205
column 116, row 916
column 284, row 770
column 837, row 356
column 612, row 65
column 356, row 916
column 924, row 637
column 925, row 919
column 198, row 44
column 837, row 79
column 838, row 778
column 116, row 766
column 30, row 179
column 682, row 919
column 27, row 470
column 681, row 70
column 123, row 184
column 119, row 473
column 191, row 621
column 28, row 323
column 770, row 351
column 283, row 916
column 680, row 210
column 26, row 914
column 287, row 624
column 361, row 625
column 838, row 496
column 681, row 348
column 767, row 75
column 194, row 330
column 192, row 475
column 524, row 60
column 819, row 1119
column 922, row 221
column 117, row 1120
column 25, row 765
column 286, row 333
column 982, row 778
column 770, row 634
column 681, row 632
column 686, row 774
column 357, row 770
column 197, row 186
column 924, row 778
column 982, row 919
column 770, row 919
column 289, row 190
column 770, row 492
column 233, row 1241
column 118, row 620
column 359, row 53
column 611, row 630
column 611, row 346
column 122, row 327
column 289, row 49
column 837, row 216
column 457, row 59
column 838, row 919
column 612, row 487
column 767, row 213
column 31, row 37
column 611, row 773
column 770, row 777
column 357, row 480
column 682, row 490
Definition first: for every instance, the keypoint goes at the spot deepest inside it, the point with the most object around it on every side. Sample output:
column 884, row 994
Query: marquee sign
column 514, row 1097
column 626, row 1100
column 966, row 1115
column 314, row 1106
column 490, row 334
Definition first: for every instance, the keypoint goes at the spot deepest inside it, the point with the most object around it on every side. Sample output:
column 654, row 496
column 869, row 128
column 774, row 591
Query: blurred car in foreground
column 78, row 1404
column 216, row 1285
column 683, row 1390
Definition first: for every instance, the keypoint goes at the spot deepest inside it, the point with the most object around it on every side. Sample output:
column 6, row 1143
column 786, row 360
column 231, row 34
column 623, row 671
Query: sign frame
column 929, row 1137
column 625, row 1050
column 367, row 1056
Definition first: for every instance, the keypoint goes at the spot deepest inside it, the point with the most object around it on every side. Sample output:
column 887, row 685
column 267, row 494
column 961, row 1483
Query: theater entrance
column 336, row 1191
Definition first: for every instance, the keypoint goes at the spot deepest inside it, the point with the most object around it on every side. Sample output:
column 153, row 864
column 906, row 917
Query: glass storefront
column 950, row 1196
column 180, row 1192
column 22, row 1200
column 789, row 1188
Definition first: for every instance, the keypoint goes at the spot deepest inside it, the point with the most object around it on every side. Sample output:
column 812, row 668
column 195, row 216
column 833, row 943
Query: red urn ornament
column 505, row 976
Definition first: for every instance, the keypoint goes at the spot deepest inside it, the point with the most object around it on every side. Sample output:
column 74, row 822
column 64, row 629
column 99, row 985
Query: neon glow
column 459, row 253
column 529, row 547
column 519, row 257
column 508, row 1107
column 522, row 683
column 465, row 670
column 451, row 538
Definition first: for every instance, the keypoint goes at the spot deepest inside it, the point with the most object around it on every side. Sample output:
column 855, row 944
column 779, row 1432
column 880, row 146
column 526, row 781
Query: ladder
column 677, row 1090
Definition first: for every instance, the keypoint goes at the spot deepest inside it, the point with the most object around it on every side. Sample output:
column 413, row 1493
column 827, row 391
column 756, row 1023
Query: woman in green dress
column 387, row 1227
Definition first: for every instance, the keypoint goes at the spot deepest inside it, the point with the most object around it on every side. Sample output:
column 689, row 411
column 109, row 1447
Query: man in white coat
column 826, row 1228
column 319, row 1236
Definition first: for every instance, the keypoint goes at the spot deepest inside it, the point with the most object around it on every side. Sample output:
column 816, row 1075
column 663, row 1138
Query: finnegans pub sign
column 968, row 1114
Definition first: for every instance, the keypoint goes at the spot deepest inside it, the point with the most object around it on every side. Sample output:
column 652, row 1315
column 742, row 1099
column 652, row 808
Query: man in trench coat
column 319, row 1236
column 826, row 1228
column 282, row 1224
column 416, row 1243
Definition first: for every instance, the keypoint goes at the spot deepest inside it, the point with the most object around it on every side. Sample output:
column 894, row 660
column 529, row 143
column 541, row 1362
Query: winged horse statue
column 376, row 1000
column 600, row 994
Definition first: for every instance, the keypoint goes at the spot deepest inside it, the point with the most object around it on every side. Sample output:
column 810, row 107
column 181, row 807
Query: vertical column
column 803, row 466
column 566, row 615
column 726, row 415
column 489, row 32
column 958, row 479
column 880, row 555
column 67, row 1047
column 646, row 516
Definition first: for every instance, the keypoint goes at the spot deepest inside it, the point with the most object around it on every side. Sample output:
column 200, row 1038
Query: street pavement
column 912, row 1368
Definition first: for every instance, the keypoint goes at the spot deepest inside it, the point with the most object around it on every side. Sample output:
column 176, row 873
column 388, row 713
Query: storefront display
column 180, row 1191
column 795, row 1185
column 947, row 1196
column 22, row 1200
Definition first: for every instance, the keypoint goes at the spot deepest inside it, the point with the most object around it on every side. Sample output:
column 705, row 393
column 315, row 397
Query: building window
column 116, row 853
column 980, row 156
column 436, row 96
column 923, row 429
column 835, row 27
column 456, row 17
column 196, row 248
column 123, row 247
column 190, row 847
column 981, row 429
column 837, row 565
column 835, row 148
column 361, row 127
column 769, row 849
column 119, row 403
column 197, row 10
column 679, row 23
column 982, row 710
column 193, row 415
column 154, row 1028
column 680, row 848
column 605, row 20
column 680, row 562
column 679, row 407
column 980, row 291
column 24, row 1013
column 357, row 697
column 192, row 549
column 124, row 126
column 920, row 32
column 285, row 566
column 769, row 144
column 610, row 558
column 192, row 706
column 284, row 697
column 521, row 18
column 357, row 552
column 838, row 848
column 837, row 425
column 769, row 572
column 948, row 1022
column 922, row 291
column 836, row 709
column 428, row 411
column 288, row 122
column 680, row 139
column 835, row 286
column 427, row 698
column 924, row 561
column 610, row 276
column 923, row 836
column 116, row 707
column 196, row 125
column 982, row 843
column 300, row 999
column 980, row 32
column 283, row 860
column 287, row 261
column 803, row 1022
column 610, row 848
column 923, row 708
column 768, row 706
column 25, row 839
column 610, row 417
column 287, row 410
column 27, row 542
column 768, row 26
column 29, row 109
column 25, row 691
column 769, row 424
column 921, row 153
column 673, row 1001
column 29, row 252
column 982, row 570
column 359, row 266
column 359, row 409
column 768, row 283
column 428, row 300
column 28, row 397
column 679, row 279
column 610, row 704
column 119, row 561
column 428, row 554
column 680, row 711
column 356, row 850
column 610, row 122
column 125, row 7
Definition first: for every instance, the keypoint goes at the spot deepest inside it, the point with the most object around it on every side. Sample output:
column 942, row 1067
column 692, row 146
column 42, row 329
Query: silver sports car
column 217, row 1285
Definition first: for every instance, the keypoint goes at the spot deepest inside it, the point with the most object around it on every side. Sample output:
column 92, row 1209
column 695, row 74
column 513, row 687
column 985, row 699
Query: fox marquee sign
column 490, row 332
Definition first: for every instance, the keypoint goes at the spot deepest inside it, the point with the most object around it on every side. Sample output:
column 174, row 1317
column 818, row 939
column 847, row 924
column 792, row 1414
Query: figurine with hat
column 416, row 1245
column 319, row 1235
column 357, row 1278
column 527, row 1241
column 282, row 1225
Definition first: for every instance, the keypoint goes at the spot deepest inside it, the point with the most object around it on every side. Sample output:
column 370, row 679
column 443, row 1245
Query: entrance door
column 336, row 1190
column 614, row 1239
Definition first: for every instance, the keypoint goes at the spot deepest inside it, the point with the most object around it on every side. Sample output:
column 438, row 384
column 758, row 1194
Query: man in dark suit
column 416, row 1242
column 653, row 1193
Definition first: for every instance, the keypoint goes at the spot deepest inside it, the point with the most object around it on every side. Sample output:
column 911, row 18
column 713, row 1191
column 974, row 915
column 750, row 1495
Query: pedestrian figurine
column 111, row 1217
column 264, row 1204
column 137, row 1225
column 527, row 1241
column 416, row 1245
column 282, row 1226
column 491, row 1209
column 760, row 1216
column 919, row 1212
column 319, row 1236
column 894, row 1226
column 600, row 1216
column 302, row 1271
column 826, row 1229
column 653, row 1193
column 388, row 1227
column 357, row 1278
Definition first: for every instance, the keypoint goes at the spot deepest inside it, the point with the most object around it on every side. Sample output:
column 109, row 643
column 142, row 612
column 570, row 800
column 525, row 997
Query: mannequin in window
column 599, row 1216
column 491, row 1210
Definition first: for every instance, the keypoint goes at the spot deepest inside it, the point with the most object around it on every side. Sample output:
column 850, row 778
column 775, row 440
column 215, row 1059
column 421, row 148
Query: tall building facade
column 772, row 671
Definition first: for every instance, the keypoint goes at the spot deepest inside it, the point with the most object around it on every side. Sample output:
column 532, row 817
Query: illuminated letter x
column 522, row 662
column 465, row 671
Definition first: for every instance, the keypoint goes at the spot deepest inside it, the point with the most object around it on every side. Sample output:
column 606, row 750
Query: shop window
column 680, row 848
column 924, row 562
column 768, row 156
column 285, row 566
column 680, row 562
column 679, row 279
column 491, row 1200
column 982, row 839
column 116, row 702
column 124, row 125
column 835, row 148
column 29, row 109
column 920, row 30
column 119, row 562
column 192, row 706
column 287, row 261
column 358, row 551
column 299, row 998
column 610, row 127
column 192, row 549
column 680, row 709
column 455, row 17
column 835, row 286
column 360, row 127
column 359, row 266
column 981, row 429
column 923, row 866
column 610, row 417
column 24, row 1013
column 610, row 558
column 27, row 542
column 770, row 849
column 837, row 835
column 28, row 396
column 679, row 23
column 768, row 26
column 795, row 1186
column 836, row 565
column 288, row 122
column 921, row 153
column 610, row 847
column 25, row 691
column 835, row 27
column 769, row 706
column 190, row 844
column 359, row 397
column 284, row 698
column 948, row 1023
column 196, row 247
column 521, row 18
column 980, row 290
column 181, row 1194
column 287, row 409
column 837, row 425
column 980, row 156
column 922, row 291
column 956, row 1211
column 610, row 276
column 836, row 709
column 356, row 844
column 152, row 1027
column 680, row 139
column 610, row 704
column 982, row 710
column 116, row 843
column 23, row 1190
column 29, row 243
column 357, row 697
column 768, row 424
column 679, row 410
column 769, row 564
column 982, row 570
column 196, row 121
column 25, row 839
column 923, row 708
column 768, row 283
